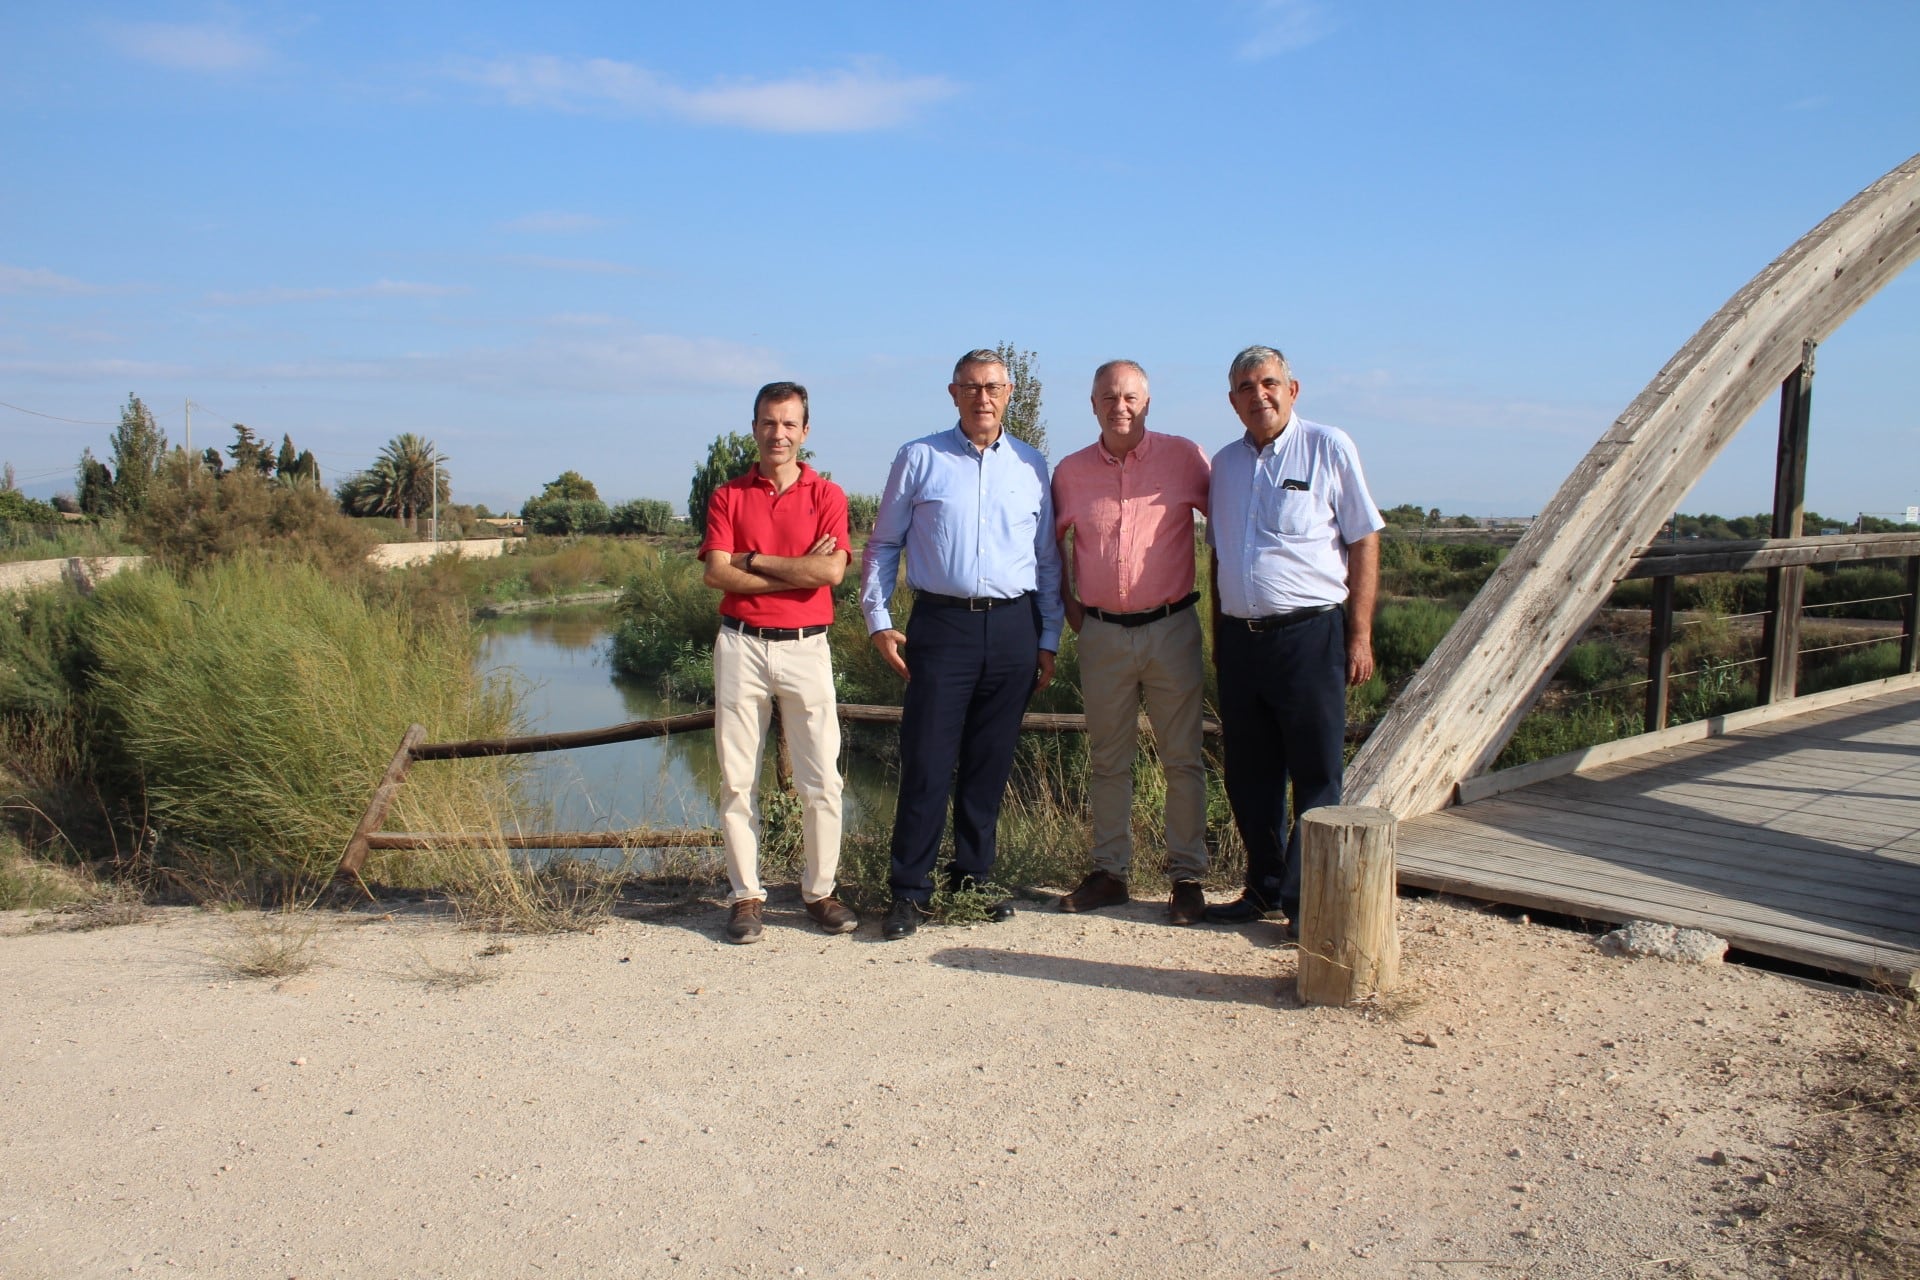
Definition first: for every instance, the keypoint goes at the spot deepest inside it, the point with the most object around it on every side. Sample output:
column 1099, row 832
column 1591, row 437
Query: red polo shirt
column 745, row 514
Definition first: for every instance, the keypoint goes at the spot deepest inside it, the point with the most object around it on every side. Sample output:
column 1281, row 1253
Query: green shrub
column 62, row 539
column 558, row 517
column 1594, row 663
column 862, row 510
column 1850, row 666
column 18, row 507
column 251, row 707
column 1451, row 571
column 642, row 515
column 1554, row 731
column 1871, row 584
column 191, row 517
column 1405, row 632
column 664, row 608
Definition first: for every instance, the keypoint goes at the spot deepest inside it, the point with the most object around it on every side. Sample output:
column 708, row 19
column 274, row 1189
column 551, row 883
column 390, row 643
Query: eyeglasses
column 975, row 388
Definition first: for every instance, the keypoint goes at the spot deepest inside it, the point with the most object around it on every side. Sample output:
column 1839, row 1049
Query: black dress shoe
column 903, row 918
column 1000, row 912
column 1244, row 909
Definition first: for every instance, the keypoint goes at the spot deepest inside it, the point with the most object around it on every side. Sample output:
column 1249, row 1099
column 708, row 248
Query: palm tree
column 400, row 482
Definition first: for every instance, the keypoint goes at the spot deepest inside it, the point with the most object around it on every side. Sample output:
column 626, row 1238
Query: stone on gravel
column 1663, row 941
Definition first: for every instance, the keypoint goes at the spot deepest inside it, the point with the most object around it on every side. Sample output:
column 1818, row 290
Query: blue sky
column 580, row 237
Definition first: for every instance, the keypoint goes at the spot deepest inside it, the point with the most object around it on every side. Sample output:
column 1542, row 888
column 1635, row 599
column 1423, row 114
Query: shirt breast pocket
column 1291, row 512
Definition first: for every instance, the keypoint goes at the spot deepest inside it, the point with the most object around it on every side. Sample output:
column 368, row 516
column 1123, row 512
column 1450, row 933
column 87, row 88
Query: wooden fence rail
column 1666, row 562
column 367, row 836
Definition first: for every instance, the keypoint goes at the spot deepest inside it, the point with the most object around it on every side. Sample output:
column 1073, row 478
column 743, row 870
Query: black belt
column 732, row 623
column 973, row 604
column 1143, row 618
column 1276, row 621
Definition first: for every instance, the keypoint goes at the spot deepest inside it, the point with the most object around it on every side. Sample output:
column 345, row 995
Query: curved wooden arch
column 1464, row 704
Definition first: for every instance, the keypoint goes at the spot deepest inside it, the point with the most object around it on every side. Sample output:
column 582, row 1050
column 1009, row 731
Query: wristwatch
column 747, row 564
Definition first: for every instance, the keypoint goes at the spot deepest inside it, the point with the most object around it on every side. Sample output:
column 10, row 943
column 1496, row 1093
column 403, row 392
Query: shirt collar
column 1246, row 437
column 966, row 441
column 1139, row 451
column 759, row 479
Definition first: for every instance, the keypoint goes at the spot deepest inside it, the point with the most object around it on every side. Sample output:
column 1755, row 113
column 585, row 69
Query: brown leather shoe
column 833, row 915
column 743, row 920
column 1100, row 889
column 1187, row 904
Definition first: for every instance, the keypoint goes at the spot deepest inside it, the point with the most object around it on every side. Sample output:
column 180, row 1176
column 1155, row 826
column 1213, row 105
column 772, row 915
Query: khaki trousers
column 749, row 676
column 1117, row 665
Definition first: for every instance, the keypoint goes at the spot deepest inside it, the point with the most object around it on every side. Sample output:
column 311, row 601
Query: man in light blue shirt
column 971, row 512
column 1295, row 537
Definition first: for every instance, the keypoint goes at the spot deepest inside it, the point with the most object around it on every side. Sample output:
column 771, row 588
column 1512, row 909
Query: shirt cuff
column 879, row 620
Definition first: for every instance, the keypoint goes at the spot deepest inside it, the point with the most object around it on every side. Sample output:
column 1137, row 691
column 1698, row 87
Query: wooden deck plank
column 1762, row 890
column 1843, row 837
column 1797, row 838
column 1863, row 859
column 1600, row 879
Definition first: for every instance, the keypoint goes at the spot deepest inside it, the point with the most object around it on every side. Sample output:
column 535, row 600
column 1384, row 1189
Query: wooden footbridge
column 1792, row 829
column 1792, row 836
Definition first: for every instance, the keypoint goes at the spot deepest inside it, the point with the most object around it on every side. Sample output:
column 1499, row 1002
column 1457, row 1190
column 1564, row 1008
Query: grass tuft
column 278, row 944
column 114, row 905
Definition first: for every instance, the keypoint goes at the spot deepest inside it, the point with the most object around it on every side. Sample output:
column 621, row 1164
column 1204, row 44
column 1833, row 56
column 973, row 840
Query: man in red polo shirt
column 1129, row 500
column 776, row 546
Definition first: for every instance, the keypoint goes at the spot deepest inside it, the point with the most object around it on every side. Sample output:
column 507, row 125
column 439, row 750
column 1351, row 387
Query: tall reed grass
column 253, row 706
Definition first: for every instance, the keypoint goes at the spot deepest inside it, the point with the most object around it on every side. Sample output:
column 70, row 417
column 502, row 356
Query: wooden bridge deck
column 1798, row 839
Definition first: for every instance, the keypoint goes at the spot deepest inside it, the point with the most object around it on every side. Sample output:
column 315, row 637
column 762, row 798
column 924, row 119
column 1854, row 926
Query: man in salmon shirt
column 776, row 546
column 1129, row 501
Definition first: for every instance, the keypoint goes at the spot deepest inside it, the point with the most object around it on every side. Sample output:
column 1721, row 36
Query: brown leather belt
column 732, row 623
column 1142, row 618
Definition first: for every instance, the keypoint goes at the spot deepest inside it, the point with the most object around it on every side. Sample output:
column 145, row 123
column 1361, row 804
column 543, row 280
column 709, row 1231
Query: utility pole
column 433, row 451
column 189, row 408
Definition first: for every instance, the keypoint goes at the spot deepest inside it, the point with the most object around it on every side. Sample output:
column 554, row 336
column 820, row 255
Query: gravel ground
column 1056, row 1096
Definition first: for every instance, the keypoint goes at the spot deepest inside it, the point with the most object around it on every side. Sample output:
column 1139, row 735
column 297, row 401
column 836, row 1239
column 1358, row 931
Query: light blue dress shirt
column 971, row 522
column 1282, row 517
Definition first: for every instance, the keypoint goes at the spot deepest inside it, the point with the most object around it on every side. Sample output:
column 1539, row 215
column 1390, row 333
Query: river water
column 567, row 681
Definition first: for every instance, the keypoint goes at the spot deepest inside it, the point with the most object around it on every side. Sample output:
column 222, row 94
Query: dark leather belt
column 973, row 604
column 1143, row 618
column 732, row 623
column 1278, row 621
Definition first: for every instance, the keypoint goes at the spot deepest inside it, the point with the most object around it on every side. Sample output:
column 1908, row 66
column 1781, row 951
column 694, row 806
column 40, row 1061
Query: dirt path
column 1055, row 1096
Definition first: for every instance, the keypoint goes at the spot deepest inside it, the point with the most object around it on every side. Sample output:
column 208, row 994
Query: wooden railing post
column 1659, row 653
column 1910, row 643
column 1780, row 673
column 355, row 856
column 1349, row 945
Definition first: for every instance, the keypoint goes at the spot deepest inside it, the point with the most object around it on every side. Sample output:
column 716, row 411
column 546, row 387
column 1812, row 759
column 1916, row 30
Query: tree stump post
column 1349, row 946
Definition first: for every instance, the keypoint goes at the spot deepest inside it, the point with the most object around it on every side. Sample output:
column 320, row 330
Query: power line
column 78, row 422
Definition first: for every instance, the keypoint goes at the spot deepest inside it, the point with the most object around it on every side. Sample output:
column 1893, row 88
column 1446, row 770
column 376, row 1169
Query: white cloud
column 116, row 370
column 1281, row 26
column 571, row 353
column 187, row 46
column 863, row 97
column 378, row 289
column 1383, row 398
column 40, row 280
column 582, row 266
column 584, row 354
column 555, row 223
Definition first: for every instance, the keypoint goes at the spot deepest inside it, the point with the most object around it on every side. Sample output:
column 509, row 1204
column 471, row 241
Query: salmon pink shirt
column 1132, row 519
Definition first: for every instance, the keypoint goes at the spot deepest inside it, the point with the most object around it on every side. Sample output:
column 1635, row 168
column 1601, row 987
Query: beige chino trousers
column 749, row 676
column 1117, row 665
